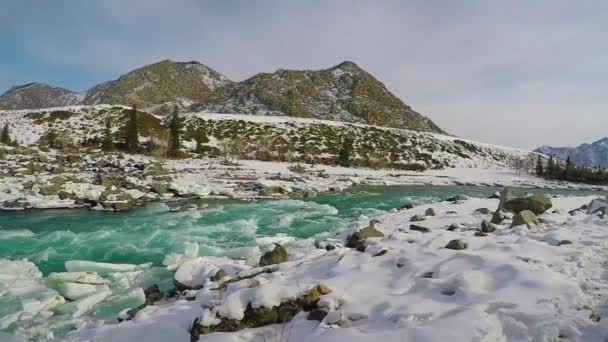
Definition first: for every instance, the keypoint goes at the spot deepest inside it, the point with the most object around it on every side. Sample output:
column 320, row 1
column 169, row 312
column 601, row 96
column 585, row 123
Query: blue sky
column 517, row 73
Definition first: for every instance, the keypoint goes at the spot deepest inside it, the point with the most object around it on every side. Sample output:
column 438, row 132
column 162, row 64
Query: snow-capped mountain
column 344, row 92
column 38, row 95
column 593, row 155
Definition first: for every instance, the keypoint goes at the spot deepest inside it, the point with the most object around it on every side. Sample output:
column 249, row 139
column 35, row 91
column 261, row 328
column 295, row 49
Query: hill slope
column 38, row 95
column 593, row 155
column 343, row 93
column 271, row 138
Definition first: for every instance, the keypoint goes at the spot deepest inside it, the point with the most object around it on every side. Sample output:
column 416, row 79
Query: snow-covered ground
column 545, row 283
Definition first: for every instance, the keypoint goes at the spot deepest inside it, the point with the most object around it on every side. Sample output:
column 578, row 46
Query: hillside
column 343, row 93
column 592, row 155
column 38, row 95
column 266, row 138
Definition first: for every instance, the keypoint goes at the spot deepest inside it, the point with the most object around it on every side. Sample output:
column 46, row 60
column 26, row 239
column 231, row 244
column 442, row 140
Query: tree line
column 555, row 169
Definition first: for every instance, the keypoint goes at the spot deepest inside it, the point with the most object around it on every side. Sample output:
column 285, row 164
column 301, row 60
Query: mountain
column 593, row 155
column 343, row 93
column 155, row 84
column 37, row 95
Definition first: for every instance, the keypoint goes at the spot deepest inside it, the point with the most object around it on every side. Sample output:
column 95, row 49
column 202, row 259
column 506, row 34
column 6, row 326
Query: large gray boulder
column 357, row 239
column 538, row 203
column 598, row 206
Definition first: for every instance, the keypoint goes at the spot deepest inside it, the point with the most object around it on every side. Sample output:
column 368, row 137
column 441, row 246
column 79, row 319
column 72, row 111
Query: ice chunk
column 76, row 291
column 101, row 267
column 77, row 277
column 82, row 306
column 112, row 306
column 17, row 271
column 6, row 337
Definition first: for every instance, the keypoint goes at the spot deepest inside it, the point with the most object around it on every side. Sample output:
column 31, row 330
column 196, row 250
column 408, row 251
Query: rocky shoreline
column 46, row 179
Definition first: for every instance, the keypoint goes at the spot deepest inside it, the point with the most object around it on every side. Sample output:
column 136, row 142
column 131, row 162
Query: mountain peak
column 592, row 155
column 37, row 95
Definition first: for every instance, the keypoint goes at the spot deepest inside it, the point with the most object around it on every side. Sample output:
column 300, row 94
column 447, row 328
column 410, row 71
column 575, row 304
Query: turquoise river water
column 50, row 237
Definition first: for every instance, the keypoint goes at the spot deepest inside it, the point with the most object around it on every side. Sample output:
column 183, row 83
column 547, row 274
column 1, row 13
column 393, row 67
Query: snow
column 515, row 284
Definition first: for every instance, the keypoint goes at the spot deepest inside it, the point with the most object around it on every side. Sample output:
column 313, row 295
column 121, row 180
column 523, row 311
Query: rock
column 116, row 200
column 276, row 256
column 428, row 275
column 329, row 247
column 526, row 217
column 317, row 315
column 498, row 217
column 309, row 300
column 419, row 228
column 407, row 206
column 598, row 206
column 357, row 239
column 481, row 234
column 487, row 227
column 105, row 181
column 416, row 218
column 455, row 226
column 18, row 204
column 153, row 295
column 495, row 195
column 159, row 187
column 564, row 242
column 457, row 198
column 381, row 253
column 65, row 195
column 457, row 245
column 538, row 203
column 450, row 212
column 483, row 211
column 219, row 275
column 429, row 212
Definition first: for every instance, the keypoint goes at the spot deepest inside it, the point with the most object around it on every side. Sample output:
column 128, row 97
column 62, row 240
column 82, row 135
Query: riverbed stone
column 429, row 212
column 537, row 203
column 416, row 218
column 487, row 227
column 418, row 228
column 357, row 239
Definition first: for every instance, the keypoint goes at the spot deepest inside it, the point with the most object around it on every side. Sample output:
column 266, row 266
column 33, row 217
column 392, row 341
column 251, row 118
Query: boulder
column 457, row 245
column 357, row 239
column 498, row 217
column 116, row 200
column 537, row 203
column 487, row 227
column 276, row 256
column 419, row 228
column 429, row 212
column 457, row 198
column 598, row 206
column 416, row 218
column 407, row 206
column 17, row 204
column 526, row 217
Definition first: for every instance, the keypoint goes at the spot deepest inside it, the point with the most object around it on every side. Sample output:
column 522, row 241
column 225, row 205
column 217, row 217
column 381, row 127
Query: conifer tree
column 344, row 156
column 174, row 138
column 132, row 132
column 569, row 169
column 550, row 172
column 107, row 144
column 540, row 170
column 5, row 136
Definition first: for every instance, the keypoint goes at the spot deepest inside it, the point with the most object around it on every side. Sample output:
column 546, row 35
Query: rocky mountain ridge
column 344, row 92
column 592, row 155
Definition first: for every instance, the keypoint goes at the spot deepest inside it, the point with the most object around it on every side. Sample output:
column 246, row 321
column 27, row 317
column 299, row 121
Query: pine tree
column 568, row 172
column 550, row 172
column 174, row 138
column 5, row 136
column 201, row 139
column 540, row 170
column 132, row 132
column 107, row 144
column 344, row 156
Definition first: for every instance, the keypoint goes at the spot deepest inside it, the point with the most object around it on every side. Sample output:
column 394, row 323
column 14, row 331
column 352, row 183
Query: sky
column 516, row 73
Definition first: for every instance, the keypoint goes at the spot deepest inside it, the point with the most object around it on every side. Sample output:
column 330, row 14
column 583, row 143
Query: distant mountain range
column 344, row 92
column 593, row 155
